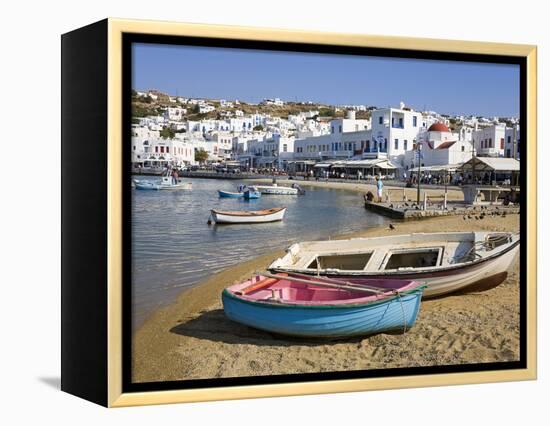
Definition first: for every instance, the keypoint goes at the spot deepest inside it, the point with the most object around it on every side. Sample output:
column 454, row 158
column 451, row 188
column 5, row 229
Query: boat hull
column 149, row 186
column 252, row 195
column 397, row 313
column 220, row 217
column 277, row 190
column 227, row 194
column 439, row 281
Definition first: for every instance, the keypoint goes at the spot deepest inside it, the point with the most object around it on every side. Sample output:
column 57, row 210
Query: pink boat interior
column 285, row 290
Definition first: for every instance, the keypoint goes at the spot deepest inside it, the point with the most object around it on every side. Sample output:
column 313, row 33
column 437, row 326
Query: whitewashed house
column 148, row 152
column 512, row 142
column 206, row 108
column 395, row 132
column 490, row 141
column 175, row 113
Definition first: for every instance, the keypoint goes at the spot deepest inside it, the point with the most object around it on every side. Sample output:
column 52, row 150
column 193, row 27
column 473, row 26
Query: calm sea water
column 173, row 247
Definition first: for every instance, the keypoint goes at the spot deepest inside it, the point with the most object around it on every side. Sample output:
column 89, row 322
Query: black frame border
column 130, row 38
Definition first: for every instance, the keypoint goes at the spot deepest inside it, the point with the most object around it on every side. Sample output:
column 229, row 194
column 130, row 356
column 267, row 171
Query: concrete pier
column 411, row 210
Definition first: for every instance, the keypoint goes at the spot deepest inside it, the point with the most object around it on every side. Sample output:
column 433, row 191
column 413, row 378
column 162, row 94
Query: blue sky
column 251, row 75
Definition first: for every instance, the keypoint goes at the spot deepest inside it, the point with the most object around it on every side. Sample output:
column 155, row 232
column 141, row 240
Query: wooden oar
column 260, row 284
column 326, row 284
column 335, row 281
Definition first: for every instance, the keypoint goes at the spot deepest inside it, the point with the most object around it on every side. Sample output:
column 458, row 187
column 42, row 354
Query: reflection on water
column 173, row 247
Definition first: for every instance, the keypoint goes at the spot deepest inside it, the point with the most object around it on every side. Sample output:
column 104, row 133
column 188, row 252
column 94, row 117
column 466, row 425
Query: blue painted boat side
column 225, row 194
column 146, row 186
column 251, row 195
column 397, row 313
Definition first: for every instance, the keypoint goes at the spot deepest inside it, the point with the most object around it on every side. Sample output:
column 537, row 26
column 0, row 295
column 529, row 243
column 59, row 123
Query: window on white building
column 405, row 144
column 380, row 120
column 396, row 144
column 284, row 147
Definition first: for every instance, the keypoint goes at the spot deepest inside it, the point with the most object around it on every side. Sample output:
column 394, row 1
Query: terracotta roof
column 438, row 127
column 446, row 145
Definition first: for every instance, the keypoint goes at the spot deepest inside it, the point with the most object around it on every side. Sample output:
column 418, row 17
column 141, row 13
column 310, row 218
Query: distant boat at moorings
column 276, row 190
column 446, row 261
column 323, row 307
column 243, row 216
column 251, row 193
column 229, row 194
column 165, row 183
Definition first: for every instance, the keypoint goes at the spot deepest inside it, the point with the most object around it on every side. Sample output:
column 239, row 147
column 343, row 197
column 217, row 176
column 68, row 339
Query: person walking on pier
column 379, row 188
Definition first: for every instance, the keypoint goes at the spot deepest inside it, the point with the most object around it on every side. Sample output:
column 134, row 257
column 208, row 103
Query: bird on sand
column 391, row 227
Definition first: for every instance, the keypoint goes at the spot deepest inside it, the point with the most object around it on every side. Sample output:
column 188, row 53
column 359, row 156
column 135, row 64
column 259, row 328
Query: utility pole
column 418, row 180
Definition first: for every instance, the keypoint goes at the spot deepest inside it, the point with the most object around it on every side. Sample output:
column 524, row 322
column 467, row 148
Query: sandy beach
column 192, row 339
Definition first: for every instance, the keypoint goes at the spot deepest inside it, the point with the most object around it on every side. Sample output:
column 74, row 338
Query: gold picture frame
column 115, row 396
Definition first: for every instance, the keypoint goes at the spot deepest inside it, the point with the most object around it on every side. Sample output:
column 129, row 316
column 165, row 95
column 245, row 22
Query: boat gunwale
column 396, row 272
column 251, row 213
column 270, row 304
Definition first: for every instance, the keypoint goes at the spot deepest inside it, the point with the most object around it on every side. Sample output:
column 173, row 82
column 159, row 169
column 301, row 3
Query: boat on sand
column 323, row 307
column 253, row 216
column 446, row 261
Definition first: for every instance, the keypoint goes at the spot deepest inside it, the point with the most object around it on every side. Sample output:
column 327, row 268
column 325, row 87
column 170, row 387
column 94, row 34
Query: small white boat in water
column 165, row 183
column 255, row 216
column 276, row 190
column 446, row 261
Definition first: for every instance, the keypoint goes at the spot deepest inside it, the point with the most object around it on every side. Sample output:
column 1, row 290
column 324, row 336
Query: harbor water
column 174, row 248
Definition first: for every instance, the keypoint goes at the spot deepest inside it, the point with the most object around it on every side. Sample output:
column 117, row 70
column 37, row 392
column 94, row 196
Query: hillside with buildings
column 309, row 137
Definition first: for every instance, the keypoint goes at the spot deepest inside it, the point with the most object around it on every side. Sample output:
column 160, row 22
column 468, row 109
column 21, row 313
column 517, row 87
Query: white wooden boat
column 255, row 216
column 446, row 262
column 165, row 183
column 276, row 190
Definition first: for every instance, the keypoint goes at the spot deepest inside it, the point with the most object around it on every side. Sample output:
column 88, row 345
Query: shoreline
column 453, row 193
column 190, row 338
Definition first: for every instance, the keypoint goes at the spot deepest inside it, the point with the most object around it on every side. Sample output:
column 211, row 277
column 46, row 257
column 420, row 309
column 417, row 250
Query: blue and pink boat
column 305, row 306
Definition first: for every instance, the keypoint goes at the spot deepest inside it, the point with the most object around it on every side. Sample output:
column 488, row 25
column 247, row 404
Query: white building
column 271, row 152
column 490, row 141
column 174, row 113
column 159, row 152
column 395, row 131
column 348, row 137
column 275, row 102
column 512, row 142
column 206, row 108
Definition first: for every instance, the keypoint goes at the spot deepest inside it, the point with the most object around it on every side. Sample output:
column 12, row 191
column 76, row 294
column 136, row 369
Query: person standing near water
column 379, row 188
column 175, row 177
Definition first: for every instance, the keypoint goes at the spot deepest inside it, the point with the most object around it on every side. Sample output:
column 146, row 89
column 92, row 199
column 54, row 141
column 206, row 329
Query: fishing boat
column 323, row 307
column 253, row 216
column 229, row 194
column 165, row 183
column 252, row 193
column 276, row 190
column 446, row 261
